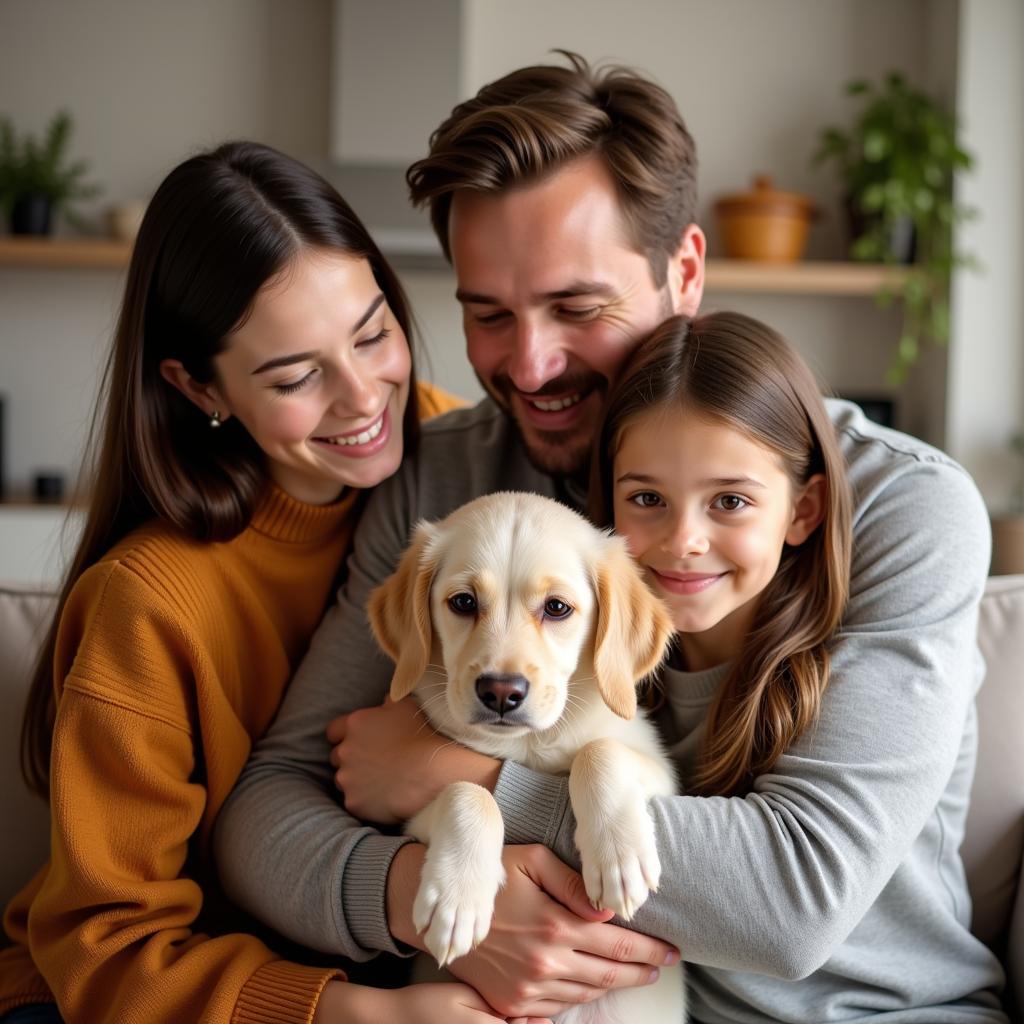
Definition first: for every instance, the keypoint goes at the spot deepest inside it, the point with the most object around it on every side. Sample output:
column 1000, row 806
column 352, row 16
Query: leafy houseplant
column 36, row 177
column 897, row 163
column 1017, row 447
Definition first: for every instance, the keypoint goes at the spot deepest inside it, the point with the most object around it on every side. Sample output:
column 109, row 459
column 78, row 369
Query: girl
column 260, row 379
column 719, row 465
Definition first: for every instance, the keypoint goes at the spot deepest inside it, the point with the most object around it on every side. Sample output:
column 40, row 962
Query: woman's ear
column 206, row 396
column 808, row 509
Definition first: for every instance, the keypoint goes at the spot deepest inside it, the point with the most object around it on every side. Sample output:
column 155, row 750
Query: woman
column 260, row 379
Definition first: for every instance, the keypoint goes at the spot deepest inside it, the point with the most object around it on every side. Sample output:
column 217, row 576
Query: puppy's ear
column 633, row 627
column 399, row 612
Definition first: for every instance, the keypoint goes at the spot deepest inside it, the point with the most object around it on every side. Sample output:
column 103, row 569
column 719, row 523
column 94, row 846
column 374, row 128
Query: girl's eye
column 646, row 499
column 555, row 608
column 730, row 503
column 288, row 389
column 462, row 603
column 376, row 339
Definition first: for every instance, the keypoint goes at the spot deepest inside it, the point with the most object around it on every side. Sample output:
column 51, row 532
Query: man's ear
column 685, row 280
column 808, row 509
column 206, row 396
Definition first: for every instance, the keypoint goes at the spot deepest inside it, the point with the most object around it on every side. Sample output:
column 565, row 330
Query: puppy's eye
column 556, row 609
column 462, row 603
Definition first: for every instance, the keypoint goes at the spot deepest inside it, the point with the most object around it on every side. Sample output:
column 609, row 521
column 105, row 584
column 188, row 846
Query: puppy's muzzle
column 502, row 694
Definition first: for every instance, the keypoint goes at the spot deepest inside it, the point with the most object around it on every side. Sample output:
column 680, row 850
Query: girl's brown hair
column 737, row 370
column 218, row 228
column 534, row 121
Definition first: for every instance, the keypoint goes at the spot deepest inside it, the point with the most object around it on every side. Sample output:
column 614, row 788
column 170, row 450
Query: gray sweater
column 834, row 891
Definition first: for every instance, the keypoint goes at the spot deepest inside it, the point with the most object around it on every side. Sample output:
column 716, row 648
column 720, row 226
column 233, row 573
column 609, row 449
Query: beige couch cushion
column 24, row 615
column 995, row 825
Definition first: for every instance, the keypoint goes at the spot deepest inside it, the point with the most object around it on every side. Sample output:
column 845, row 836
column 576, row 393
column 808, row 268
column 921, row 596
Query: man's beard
column 555, row 455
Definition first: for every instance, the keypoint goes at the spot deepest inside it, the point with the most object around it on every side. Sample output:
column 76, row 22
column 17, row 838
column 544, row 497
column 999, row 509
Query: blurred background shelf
column 60, row 252
column 808, row 277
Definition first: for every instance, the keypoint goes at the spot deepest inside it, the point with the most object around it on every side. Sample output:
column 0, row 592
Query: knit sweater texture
column 172, row 657
column 832, row 892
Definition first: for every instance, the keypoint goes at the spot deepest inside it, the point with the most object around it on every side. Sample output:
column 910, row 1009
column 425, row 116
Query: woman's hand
column 389, row 763
column 548, row 948
column 342, row 1003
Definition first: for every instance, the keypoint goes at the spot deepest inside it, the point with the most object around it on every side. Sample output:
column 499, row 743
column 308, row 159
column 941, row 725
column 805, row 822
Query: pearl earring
column 214, row 419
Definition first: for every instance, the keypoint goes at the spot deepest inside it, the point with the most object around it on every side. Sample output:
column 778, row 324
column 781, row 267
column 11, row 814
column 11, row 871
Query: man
column 565, row 199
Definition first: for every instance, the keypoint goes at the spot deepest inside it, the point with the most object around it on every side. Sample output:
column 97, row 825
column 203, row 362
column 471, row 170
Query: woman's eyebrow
column 371, row 309
column 301, row 357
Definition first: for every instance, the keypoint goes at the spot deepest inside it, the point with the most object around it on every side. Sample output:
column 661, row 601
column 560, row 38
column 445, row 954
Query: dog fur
column 475, row 620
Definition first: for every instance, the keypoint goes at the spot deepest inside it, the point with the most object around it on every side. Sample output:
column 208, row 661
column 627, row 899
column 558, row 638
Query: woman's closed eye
column 380, row 336
column 290, row 387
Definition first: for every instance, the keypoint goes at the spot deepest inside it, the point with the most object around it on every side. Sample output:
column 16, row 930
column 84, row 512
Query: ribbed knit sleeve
column 171, row 656
column 280, row 993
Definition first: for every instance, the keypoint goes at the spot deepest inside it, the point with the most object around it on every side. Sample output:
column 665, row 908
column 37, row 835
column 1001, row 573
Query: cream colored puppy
column 523, row 632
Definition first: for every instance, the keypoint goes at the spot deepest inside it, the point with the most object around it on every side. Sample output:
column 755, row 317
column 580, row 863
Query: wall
column 985, row 385
column 149, row 82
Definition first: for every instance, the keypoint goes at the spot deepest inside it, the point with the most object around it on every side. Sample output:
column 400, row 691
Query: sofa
column 992, row 849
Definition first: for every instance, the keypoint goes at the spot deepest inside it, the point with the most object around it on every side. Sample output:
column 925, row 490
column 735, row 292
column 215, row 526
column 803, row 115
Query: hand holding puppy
column 390, row 762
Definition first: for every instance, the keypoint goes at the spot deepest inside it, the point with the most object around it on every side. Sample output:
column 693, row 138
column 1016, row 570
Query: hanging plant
column 897, row 164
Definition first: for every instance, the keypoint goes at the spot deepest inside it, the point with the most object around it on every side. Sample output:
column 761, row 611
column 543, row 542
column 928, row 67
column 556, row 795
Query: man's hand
column 389, row 763
column 344, row 1003
column 548, row 948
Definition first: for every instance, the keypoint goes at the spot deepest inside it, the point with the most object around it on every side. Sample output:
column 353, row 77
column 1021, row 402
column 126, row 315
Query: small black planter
column 901, row 241
column 32, row 215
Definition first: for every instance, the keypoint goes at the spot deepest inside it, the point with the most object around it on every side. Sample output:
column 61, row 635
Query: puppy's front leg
column 462, row 872
column 609, row 786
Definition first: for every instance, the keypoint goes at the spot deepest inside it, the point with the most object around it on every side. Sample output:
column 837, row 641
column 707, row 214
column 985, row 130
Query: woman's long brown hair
column 735, row 369
column 218, row 228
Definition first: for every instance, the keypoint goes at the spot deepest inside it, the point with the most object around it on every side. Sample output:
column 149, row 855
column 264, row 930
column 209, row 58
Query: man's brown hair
column 537, row 119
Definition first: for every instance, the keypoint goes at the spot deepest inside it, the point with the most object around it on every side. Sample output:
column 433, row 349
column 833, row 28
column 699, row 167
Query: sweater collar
column 281, row 517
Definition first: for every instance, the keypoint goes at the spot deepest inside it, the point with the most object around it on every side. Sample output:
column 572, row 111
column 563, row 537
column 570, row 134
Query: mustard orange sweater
column 172, row 656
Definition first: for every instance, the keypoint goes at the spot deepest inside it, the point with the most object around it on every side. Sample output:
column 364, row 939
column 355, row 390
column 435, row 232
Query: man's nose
column 537, row 356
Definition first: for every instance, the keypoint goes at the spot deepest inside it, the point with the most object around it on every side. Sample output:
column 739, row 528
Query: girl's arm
column 774, row 881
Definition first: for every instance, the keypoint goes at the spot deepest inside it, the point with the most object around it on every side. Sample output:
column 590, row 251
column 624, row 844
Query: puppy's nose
column 501, row 692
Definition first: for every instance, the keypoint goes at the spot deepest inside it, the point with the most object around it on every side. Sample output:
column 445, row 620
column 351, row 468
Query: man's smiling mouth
column 555, row 404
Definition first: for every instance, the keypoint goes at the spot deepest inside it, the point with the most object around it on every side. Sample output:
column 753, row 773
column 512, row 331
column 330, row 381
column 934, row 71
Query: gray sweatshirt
column 833, row 891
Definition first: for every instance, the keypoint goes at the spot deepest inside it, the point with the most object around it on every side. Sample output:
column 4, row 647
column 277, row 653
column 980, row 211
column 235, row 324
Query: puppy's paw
column 455, row 902
column 620, row 861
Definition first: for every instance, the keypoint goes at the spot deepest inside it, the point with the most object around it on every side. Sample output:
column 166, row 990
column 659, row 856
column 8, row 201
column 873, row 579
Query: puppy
column 523, row 631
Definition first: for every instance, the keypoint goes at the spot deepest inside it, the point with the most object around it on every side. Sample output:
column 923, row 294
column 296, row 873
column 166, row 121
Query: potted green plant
column 897, row 162
column 1008, row 529
column 36, row 178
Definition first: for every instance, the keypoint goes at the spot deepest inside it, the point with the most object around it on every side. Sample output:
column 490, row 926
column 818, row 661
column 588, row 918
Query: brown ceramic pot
column 764, row 224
